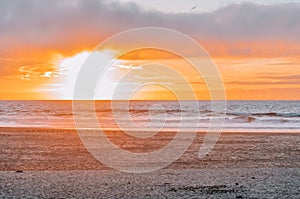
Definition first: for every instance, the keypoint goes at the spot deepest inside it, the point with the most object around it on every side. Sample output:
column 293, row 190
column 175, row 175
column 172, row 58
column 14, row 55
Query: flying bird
column 193, row 8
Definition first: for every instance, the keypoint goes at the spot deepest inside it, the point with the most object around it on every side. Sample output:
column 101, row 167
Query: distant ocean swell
column 241, row 115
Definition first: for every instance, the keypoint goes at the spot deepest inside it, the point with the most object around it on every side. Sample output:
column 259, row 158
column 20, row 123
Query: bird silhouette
column 193, row 8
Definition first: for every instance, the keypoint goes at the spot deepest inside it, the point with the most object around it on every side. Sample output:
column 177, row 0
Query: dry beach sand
column 52, row 163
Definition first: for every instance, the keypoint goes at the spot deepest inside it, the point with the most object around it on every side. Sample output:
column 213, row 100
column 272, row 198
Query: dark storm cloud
column 57, row 25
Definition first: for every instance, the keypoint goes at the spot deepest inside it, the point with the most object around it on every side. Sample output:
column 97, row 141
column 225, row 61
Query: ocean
column 244, row 116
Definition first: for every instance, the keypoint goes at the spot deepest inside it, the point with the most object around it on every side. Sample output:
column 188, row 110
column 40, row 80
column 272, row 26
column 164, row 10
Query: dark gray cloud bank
column 63, row 25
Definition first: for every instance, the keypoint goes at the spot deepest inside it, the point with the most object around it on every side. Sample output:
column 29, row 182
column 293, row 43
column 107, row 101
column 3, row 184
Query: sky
column 175, row 6
column 254, row 44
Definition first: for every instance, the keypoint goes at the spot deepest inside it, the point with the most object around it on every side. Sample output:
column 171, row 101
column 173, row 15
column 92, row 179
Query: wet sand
column 54, row 163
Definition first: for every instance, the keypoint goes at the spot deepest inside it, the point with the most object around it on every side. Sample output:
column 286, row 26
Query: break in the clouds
column 70, row 25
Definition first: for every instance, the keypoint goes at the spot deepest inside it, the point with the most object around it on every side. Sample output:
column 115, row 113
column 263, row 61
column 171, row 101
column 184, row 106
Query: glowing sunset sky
column 255, row 45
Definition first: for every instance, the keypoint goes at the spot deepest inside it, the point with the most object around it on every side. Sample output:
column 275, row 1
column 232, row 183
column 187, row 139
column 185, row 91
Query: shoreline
column 227, row 131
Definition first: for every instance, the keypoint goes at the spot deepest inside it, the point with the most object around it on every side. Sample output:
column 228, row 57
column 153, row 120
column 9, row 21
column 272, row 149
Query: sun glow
column 70, row 67
column 241, row 77
column 244, row 78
